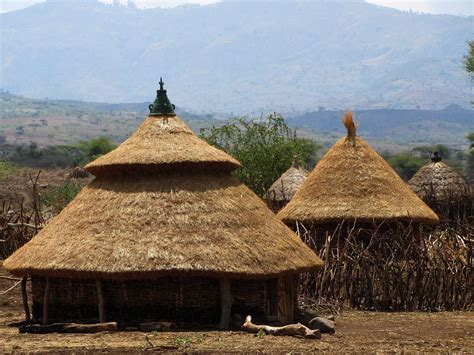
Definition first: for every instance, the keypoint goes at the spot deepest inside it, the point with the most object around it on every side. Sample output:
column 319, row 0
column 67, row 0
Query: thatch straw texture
column 353, row 182
column 439, row 181
column 176, row 223
column 285, row 187
column 162, row 143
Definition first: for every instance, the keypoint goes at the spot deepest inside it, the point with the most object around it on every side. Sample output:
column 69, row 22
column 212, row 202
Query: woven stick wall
column 178, row 298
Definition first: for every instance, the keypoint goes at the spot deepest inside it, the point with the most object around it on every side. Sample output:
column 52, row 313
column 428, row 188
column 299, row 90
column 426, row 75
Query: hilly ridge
column 238, row 57
column 52, row 122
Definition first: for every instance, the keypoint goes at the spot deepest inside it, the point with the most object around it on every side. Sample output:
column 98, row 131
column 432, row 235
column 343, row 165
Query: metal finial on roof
column 162, row 105
column 436, row 157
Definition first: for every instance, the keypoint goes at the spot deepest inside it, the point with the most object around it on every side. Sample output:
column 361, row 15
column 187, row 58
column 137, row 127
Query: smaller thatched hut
column 443, row 189
column 285, row 187
column 353, row 183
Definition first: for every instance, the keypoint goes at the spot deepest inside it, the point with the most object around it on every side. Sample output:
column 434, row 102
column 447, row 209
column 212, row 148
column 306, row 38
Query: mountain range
column 238, row 56
column 52, row 122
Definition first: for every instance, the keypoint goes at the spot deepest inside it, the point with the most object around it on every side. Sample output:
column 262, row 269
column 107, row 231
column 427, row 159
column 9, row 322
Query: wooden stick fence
column 392, row 269
column 18, row 225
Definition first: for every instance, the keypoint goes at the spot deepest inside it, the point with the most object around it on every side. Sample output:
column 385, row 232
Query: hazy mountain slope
column 50, row 122
column 448, row 126
column 238, row 56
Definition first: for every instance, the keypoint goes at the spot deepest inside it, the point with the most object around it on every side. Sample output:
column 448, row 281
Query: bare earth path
column 360, row 332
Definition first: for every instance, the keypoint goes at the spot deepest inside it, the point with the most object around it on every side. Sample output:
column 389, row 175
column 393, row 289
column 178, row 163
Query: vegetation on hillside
column 6, row 169
column 332, row 53
column 56, row 156
column 265, row 148
column 470, row 158
column 58, row 197
column 469, row 60
column 407, row 163
column 469, row 66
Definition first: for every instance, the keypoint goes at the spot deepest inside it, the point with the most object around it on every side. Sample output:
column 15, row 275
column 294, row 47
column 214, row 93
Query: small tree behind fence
column 392, row 269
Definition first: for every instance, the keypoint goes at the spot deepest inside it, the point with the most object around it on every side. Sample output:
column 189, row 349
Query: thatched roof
column 151, row 224
column 438, row 181
column 162, row 143
column 285, row 187
column 353, row 182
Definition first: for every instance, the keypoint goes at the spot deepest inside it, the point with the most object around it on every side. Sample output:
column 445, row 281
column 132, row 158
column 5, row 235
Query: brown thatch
column 353, row 182
column 285, row 187
column 162, row 143
column 437, row 180
column 173, row 223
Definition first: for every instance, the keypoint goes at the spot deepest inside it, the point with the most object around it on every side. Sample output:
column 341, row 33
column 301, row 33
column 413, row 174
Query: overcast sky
column 454, row 7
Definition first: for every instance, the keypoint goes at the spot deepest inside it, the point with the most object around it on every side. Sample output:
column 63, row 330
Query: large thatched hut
column 443, row 189
column 285, row 187
column 164, row 231
column 353, row 183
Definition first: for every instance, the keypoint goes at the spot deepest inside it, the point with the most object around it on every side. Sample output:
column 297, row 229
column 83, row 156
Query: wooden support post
column 226, row 303
column 286, row 299
column 47, row 291
column 24, row 295
column 100, row 298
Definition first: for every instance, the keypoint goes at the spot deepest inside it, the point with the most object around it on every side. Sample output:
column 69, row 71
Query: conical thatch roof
column 353, row 182
column 163, row 224
column 438, row 181
column 162, row 144
column 141, row 222
column 285, row 187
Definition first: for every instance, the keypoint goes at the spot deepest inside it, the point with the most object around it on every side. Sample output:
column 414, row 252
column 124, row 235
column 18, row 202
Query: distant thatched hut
column 285, row 187
column 443, row 189
column 164, row 231
column 353, row 183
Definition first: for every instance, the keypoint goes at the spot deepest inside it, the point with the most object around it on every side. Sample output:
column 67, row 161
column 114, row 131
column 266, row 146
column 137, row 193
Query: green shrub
column 58, row 197
column 6, row 169
column 266, row 148
column 95, row 148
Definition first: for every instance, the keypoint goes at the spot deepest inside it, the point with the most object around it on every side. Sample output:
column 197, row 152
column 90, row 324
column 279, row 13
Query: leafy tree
column 426, row 151
column 266, row 148
column 470, row 158
column 469, row 60
column 405, row 164
column 95, row 148
column 58, row 197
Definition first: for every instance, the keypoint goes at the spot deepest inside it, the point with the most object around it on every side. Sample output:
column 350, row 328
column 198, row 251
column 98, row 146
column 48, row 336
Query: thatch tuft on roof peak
column 351, row 126
column 353, row 182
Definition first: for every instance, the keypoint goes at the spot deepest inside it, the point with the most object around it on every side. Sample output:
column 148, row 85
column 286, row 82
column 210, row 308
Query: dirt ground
column 360, row 332
column 19, row 186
